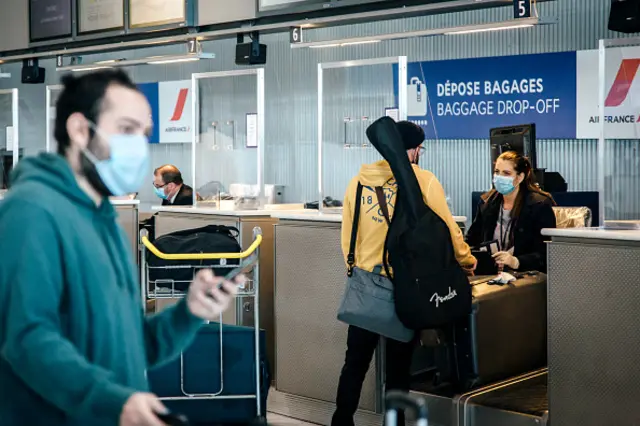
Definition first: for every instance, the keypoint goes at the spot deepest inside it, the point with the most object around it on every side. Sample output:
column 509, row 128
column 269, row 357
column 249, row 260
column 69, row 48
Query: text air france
column 525, row 96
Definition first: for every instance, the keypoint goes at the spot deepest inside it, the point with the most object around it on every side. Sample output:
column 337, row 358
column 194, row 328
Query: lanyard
column 504, row 238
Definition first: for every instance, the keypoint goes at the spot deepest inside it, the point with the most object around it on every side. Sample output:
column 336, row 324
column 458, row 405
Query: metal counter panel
column 594, row 332
column 128, row 219
column 310, row 342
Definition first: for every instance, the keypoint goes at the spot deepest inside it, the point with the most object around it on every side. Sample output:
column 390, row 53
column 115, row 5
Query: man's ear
column 78, row 130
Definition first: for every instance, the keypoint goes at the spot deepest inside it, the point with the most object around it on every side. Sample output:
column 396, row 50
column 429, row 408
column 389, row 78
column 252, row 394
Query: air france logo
column 619, row 92
column 178, row 112
column 180, row 103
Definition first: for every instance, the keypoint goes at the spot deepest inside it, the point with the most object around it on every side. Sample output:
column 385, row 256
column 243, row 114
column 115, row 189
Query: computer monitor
column 521, row 138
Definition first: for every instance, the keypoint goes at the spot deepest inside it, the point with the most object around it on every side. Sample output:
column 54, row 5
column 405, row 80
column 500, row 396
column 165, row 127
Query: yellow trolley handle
column 202, row 256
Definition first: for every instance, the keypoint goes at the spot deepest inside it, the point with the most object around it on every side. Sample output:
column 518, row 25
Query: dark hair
column 85, row 94
column 170, row 174
column 522, row 165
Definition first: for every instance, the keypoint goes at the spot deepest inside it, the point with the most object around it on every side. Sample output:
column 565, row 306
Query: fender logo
column 437, row 299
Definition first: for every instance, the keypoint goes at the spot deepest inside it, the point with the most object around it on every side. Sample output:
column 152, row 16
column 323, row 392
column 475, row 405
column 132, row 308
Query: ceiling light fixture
column 466, row 29
column 194, row 53
column 353, row 43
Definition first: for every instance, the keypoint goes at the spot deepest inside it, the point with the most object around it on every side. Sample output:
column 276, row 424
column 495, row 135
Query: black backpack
column 430, row 287
column 209, row 239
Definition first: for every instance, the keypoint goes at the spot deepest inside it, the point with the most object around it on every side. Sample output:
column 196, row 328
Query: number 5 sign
column 521, row 9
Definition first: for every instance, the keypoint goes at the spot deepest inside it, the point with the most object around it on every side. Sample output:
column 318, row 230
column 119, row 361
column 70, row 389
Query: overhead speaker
column 252, row 53
column 31, row 72
column 624, row 16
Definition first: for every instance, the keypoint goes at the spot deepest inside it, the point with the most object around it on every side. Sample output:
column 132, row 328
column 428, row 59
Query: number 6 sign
column 295, row 35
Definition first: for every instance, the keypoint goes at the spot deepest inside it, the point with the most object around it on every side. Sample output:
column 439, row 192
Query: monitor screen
column 153, row 13
column 521, row 139
column 49, row 19
column 100, row 16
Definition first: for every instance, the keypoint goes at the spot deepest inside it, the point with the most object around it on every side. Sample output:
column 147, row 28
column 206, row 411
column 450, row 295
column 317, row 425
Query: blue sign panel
column 152, row 92
column 463, row 99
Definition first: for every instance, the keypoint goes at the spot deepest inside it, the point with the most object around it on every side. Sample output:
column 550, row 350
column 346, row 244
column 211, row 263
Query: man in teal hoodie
column 74, row 344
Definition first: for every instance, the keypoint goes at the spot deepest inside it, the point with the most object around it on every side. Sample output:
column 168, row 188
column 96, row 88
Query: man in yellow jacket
column 372, row 231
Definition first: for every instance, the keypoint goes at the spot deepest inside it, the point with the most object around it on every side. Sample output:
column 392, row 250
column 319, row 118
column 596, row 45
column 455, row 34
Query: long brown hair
column 521, row 164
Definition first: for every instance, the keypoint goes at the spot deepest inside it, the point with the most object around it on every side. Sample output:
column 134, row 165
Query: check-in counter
column 171, row 219
column 310, row 341
column 593, row 329
column 128, row 218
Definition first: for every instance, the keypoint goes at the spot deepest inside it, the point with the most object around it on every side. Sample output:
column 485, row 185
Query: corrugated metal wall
column 291, row 154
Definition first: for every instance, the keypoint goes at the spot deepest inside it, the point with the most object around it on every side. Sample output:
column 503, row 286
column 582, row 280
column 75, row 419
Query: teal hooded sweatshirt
column 74, row 343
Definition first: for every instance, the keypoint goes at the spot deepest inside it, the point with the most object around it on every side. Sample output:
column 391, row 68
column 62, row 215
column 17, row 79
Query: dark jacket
column 184, row 197
column 74, row 342
column 529, row 244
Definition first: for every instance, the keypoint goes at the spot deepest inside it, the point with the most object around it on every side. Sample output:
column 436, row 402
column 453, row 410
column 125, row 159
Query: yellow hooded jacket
column 372, row 228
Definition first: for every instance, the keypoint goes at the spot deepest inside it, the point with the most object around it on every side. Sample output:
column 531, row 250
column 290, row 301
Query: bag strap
column 209, row 229
column 351, row 257
column 382, row 202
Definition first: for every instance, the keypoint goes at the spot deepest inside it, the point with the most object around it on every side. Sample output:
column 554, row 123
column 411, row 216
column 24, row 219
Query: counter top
column 315, row 216
column 210, row 211
column 594, row 233
column 125, row 202
column 299, row 215
column 308, row 216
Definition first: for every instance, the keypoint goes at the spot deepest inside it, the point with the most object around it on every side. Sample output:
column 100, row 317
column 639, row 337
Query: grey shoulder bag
column 368, row 301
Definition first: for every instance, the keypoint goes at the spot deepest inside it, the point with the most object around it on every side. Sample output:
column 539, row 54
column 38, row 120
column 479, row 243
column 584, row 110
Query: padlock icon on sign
column 417, row 98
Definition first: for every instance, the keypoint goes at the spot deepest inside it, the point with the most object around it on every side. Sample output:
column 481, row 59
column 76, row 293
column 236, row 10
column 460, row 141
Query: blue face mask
column 503, row 184
column 160, row 192
column 127, row 167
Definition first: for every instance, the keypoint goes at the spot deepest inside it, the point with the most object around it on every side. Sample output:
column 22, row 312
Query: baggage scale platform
column 520, row 401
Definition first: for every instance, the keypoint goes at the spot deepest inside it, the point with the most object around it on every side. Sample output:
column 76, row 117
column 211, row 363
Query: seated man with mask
column 169, row 186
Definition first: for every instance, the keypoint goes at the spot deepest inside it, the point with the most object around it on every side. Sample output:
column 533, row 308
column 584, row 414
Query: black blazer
column 184, row 197
column 529, row 244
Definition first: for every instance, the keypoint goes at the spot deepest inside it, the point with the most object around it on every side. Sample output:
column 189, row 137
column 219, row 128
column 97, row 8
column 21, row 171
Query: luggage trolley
column 150, row 291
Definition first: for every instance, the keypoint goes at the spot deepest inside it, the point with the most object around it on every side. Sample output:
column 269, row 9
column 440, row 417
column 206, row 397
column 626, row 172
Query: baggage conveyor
column 519, row 401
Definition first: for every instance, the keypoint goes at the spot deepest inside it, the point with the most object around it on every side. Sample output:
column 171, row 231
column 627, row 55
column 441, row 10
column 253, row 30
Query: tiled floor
column 276, row 420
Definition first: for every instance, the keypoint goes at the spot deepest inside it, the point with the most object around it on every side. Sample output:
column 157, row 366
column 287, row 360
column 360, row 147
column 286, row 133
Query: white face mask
column 127, row 167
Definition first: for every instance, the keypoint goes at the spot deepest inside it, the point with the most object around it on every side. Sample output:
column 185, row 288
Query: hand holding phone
column 245, row 266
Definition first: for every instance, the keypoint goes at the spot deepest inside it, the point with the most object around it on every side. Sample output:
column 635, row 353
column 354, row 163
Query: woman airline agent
column 514, row 214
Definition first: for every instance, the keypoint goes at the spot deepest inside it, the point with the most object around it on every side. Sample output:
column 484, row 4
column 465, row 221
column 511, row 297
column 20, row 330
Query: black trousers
column 361, row 346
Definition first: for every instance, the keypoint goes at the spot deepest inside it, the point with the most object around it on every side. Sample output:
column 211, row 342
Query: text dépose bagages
column 504, row 336
column 178, row 274
column 202, row 375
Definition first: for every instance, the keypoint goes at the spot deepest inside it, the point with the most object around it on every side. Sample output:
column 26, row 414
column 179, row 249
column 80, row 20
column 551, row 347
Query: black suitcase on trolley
column 208, row 239
column 504, row 336
column 202, row 376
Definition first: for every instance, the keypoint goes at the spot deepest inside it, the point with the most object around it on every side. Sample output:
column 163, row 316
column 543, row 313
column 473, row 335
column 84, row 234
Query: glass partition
column 351, row 95
column 618, row 122
column 10, row 151
column 52, row 93
column 228, row 136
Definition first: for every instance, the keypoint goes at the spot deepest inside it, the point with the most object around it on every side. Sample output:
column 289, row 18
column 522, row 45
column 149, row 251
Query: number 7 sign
column 521, row 9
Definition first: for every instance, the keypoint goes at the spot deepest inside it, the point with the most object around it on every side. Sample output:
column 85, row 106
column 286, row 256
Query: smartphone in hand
column 245, row 266
column 171, row 419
